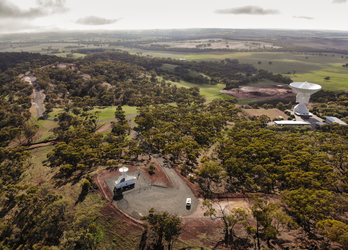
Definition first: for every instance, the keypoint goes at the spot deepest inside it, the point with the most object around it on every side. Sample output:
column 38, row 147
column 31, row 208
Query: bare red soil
column 271, row 113
column 201, row 230
column 44, row 144
column 158, row 177
column 277, row 91
column 104, row 128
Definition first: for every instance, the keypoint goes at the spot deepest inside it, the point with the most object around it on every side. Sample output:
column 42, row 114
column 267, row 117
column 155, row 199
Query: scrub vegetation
column 295, row 178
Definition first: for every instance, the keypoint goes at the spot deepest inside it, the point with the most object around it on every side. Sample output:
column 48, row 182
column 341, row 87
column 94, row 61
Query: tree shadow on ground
column 118, row 196
column 219, row 244
column 241, row 243
column 82, row 196
column 62, row 179
column 143, row 240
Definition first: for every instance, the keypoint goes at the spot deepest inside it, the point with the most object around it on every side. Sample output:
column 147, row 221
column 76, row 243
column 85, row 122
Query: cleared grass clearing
column 109, row 112
column 42, row 47
column 171, row 67
column 75, row 54
column 210, row 92
column 271, row 113
column 44, row 132
column 312, row 68
column 213, row 56
column 168, row 67
column 308, row 67
column 338, row 77
column 154, row 53
column 55, row 113
column 105, row 113
column 38, row 173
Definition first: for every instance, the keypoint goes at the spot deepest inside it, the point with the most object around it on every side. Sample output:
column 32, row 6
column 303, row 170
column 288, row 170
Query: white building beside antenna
column 304, row 90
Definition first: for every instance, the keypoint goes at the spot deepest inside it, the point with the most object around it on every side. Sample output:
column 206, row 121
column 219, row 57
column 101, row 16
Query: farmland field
column 311, row 68
column 271, row 113
column 75, row 54
column 43, row 47
column 214, row 44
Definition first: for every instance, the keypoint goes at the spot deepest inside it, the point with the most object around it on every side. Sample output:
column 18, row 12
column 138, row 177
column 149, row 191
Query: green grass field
column 44, row 132
column 210, row 92
column 338, row 77
column 168, row 67
column 311, row 68
column 75, row 54
column 105, row 113
column 171, row 67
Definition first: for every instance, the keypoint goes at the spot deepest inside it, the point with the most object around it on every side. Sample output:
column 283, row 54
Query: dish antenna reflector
column 124, row 171
column 304, row 90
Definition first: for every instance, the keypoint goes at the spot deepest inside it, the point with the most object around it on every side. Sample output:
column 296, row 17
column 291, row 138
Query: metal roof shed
column 291, row 123
column 332, row 119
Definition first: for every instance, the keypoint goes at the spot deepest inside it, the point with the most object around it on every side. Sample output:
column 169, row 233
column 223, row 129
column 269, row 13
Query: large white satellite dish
column 304, row 90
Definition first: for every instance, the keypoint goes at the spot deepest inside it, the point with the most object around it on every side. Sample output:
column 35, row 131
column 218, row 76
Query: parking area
column 312, row 120
column 144, row 196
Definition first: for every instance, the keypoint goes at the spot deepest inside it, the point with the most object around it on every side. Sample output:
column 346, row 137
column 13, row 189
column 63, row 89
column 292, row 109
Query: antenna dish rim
column 301, row 85
column 123, row 170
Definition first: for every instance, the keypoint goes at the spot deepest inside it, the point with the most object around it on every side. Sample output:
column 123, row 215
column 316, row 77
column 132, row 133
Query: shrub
column 183, row 170
column 151, row 168
column 85, row 186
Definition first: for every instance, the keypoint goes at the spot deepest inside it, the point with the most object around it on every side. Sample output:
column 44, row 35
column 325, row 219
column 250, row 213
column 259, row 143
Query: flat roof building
column 332, row 119
column 291, row 123
column 318, row 124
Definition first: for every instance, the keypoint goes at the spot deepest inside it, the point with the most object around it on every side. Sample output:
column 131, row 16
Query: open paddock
column 271, row 113
column 45, row 48
column 106, row 113
column 215, row 43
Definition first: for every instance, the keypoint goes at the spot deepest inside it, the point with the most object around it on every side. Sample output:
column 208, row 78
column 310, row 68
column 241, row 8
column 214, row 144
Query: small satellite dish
column 123, row 170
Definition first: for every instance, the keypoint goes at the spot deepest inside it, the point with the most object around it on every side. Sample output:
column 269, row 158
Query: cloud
column 248, row 10
column 43, row 8
column 94, row 20
column 339, row 1
column 304, row 17
column 56, row 6
column 13, row 26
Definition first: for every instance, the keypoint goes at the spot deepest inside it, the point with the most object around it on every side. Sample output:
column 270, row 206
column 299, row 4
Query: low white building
column 332, row 119
column 291, row 123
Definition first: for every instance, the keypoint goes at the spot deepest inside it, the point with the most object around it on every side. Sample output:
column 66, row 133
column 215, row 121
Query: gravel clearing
column 139, row 200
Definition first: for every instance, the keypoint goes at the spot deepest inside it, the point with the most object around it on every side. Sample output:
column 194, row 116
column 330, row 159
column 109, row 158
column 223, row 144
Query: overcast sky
column 55, row 15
